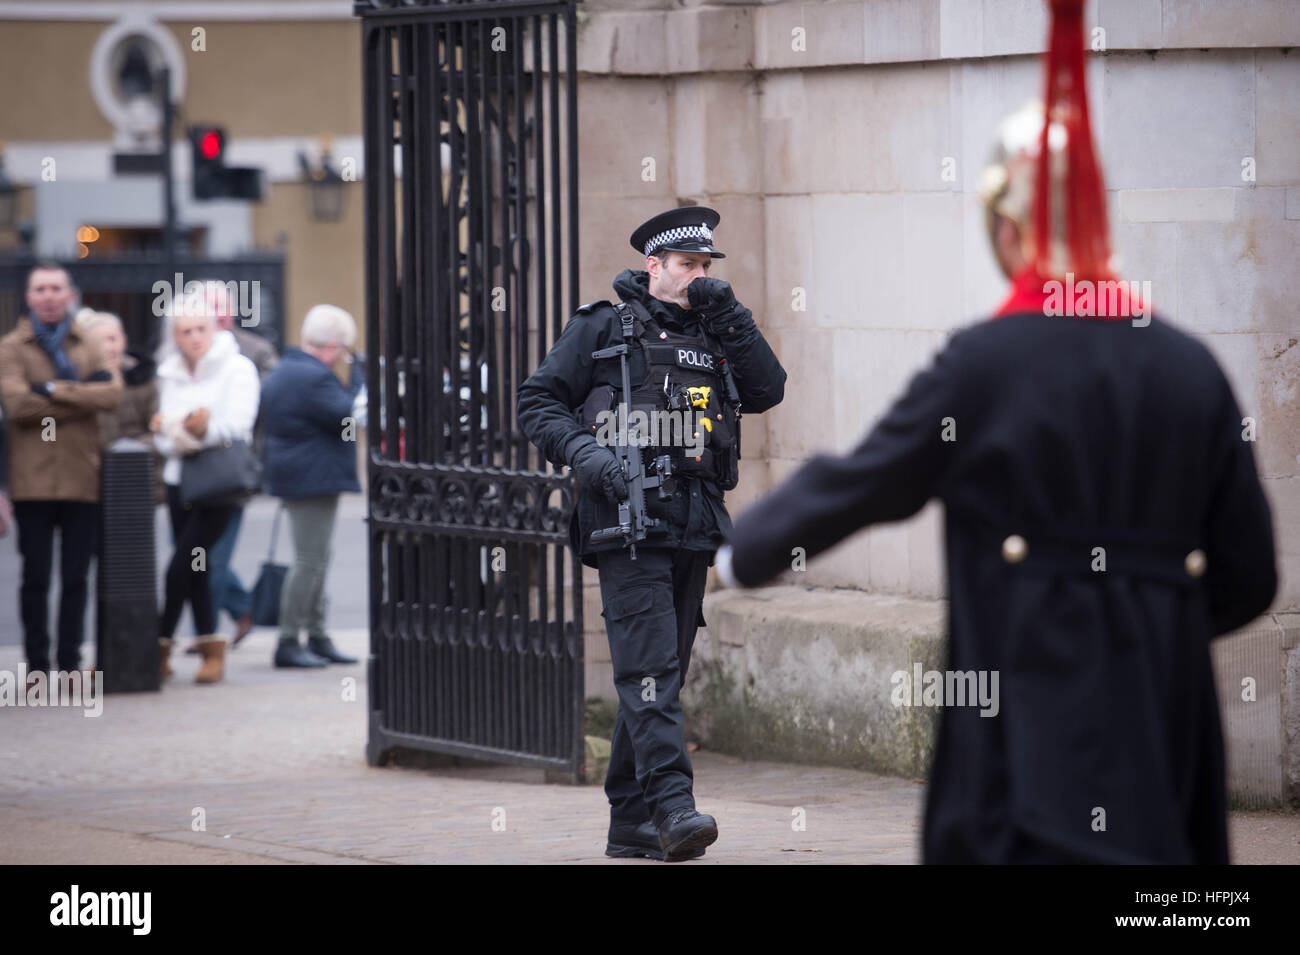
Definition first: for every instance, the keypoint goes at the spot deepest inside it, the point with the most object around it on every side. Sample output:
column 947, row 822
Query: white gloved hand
column 722, row 562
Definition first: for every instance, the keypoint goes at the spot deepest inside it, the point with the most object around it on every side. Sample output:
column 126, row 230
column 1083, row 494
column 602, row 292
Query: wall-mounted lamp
column 325, row 192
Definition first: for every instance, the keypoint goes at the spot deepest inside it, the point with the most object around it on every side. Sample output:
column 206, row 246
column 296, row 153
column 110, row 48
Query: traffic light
column 213, row 179
column 208, row 146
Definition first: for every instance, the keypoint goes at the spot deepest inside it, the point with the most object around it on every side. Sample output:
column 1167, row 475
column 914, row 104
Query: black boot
column 642, row 841
column 290, row 653
column 684, row 831
column 324, row 647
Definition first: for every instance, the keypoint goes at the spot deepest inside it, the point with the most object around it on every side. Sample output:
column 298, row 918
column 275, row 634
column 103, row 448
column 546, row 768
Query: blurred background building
column 82, row 114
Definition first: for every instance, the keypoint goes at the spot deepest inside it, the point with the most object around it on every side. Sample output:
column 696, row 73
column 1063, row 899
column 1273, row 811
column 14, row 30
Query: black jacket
column 548, row 400
column 1075, row 435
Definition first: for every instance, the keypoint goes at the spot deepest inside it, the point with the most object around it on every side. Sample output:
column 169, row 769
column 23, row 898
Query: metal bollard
column 126, row 606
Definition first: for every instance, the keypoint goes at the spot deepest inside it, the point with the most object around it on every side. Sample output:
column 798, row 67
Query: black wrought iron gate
column 471, row 236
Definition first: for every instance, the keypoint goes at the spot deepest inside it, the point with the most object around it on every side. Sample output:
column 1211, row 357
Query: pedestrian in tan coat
column 54, row 383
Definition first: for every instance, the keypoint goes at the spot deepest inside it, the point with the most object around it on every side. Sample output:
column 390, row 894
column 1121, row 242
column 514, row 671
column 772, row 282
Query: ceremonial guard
column 642, row 398
column 1104, row 523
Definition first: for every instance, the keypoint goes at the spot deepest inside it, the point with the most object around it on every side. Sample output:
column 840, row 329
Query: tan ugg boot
column 164, row 655
column 213, row 650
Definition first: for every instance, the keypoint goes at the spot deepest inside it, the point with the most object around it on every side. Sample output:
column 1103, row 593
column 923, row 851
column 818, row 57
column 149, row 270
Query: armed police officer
column 642, row 399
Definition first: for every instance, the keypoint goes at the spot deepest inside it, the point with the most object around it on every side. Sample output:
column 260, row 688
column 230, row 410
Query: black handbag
column 270, row 583
column 227, row 474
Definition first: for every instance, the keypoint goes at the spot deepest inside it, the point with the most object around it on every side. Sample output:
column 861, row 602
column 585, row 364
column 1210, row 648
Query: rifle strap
column 629, row 319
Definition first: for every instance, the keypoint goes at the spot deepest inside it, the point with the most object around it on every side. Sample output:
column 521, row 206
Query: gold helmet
column 1006, row 185
column 1052, row 189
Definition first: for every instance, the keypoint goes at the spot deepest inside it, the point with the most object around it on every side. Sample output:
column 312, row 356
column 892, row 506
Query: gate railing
column 471, row 239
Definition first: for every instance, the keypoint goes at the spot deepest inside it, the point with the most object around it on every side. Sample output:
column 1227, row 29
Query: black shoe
column 291, row 653
column 684, row 831
column 324, row 647
column 633, row 842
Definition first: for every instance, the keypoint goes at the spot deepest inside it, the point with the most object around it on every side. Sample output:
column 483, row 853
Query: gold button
column 1194, row 563
column 1014, row 549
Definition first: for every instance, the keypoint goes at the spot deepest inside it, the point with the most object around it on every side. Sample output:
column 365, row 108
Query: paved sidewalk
column 272, row 761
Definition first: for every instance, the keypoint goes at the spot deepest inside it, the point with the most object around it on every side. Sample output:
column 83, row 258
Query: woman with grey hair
column 311, row 423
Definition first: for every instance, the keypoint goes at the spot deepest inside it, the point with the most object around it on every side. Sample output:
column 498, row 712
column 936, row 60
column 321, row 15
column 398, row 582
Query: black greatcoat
column 1075, row 434
column 696, row 518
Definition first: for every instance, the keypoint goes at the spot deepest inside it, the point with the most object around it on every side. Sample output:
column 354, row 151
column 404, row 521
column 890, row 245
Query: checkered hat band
column 697, row 232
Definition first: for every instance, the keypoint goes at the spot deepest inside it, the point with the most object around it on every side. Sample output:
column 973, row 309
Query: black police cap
column 688, row 229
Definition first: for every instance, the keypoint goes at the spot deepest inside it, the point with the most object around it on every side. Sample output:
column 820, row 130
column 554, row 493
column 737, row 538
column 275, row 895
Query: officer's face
column 670, row 274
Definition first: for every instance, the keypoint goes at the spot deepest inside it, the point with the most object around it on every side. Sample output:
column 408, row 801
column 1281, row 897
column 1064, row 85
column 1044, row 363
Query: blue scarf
column 50, row 338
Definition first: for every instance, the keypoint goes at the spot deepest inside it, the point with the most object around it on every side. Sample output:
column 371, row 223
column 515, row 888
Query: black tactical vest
column 687, row 397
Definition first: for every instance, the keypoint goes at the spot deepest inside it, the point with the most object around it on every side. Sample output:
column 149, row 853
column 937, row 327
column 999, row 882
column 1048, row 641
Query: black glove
column 100, row 375
column 710, row 297
column 44, row 389
column 598, row 469
column 718, row 309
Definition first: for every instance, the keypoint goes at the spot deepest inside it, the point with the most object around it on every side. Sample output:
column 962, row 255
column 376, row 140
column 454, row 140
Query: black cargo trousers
column 651, row 610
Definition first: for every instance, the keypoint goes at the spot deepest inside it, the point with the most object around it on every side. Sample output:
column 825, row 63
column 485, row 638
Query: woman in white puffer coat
column 208, row 395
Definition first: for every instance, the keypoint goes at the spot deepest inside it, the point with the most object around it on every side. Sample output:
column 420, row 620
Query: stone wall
column 845, row 172
column 811, row 675
column 842, row 142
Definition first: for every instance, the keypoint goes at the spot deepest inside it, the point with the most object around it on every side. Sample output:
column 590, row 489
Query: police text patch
column 693, row 358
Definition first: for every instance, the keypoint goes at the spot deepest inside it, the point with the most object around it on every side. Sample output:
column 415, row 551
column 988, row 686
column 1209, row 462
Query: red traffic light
column 210, row 144
column 213, row 179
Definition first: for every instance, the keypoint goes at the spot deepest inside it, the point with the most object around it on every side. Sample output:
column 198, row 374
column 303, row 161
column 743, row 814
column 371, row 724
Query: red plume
column 1070, row 203
column 1070, row 234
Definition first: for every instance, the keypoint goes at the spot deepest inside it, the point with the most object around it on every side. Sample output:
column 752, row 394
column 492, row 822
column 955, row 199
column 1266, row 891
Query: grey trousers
column 303, row 603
